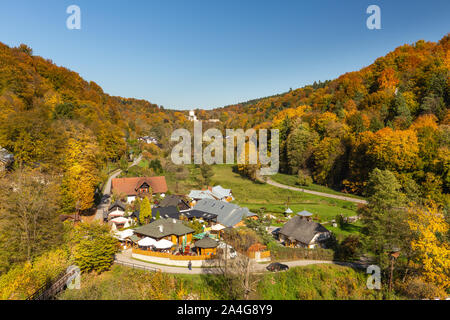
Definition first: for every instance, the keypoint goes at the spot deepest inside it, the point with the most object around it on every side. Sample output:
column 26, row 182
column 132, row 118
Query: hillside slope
column 393, row 114
column 53, row 119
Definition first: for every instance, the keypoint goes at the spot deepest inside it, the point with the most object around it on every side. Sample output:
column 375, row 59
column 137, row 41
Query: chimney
column 161, row 228
column 174, row 221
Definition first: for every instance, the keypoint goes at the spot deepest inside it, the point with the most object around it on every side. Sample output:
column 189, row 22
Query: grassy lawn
column 256, row 195
column 318, row 282
column 143, row 163
column 347, row 229
column 291, row 180
column 185, row 185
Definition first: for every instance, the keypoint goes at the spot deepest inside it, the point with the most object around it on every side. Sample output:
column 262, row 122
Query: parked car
column 276, row 266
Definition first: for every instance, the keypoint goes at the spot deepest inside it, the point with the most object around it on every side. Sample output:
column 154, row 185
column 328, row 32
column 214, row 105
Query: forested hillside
column 52, row 119
column 393, row 114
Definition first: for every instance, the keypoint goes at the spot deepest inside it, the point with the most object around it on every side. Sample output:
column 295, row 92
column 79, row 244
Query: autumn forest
column 382, row 133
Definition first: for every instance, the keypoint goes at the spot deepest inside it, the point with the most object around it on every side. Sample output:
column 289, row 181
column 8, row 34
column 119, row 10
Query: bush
column 281, row 253
column 416, row 288
column 23, row 280
column 93, row 247
column 348, row 249
column 304, row 179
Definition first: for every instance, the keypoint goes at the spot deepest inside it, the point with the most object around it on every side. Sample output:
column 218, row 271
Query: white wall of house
column 317, row 239
column 130, row 199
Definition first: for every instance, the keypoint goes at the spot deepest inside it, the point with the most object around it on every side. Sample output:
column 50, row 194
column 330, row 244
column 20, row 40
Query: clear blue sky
column 210, row 53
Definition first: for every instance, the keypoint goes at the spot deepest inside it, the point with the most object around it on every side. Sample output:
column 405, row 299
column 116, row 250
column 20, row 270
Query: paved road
column 322, row 194
column 106, row 198
column 256, row 267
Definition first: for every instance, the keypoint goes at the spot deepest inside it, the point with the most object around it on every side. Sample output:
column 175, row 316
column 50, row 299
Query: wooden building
column 206, row 246
column 170, row 229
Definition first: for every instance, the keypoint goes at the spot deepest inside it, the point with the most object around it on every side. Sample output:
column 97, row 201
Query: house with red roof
column 138, row 186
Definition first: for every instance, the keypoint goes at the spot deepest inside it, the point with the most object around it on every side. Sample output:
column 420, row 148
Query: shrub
column 348, row 249
column 304, row 179
column 23, row 280
column 93, row 247
column 416, row 288
column 279, row 252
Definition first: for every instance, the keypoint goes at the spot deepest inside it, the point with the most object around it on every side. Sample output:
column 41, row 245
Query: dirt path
column 317, row 193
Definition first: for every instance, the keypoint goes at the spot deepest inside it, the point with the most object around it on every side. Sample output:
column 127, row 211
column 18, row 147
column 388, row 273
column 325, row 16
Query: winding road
column 125, row 257
column 317, row 193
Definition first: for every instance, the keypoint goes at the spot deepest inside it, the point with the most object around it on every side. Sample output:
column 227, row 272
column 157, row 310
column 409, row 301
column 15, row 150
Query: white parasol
column 163, row 244
column 147, row 242
column 120, row 220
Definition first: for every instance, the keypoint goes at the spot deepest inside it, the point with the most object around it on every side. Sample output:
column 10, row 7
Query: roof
column 200, row 215
column 206, row 243
column 117, row 204
column 214, row 193
column 134, row 238
column 221, row 193
column 174, row 200
column 228, row 214
column 130, row 186
column 169, row 227
column 201, row 194
column 301, row 229
column 305, row 213
column 164, row 213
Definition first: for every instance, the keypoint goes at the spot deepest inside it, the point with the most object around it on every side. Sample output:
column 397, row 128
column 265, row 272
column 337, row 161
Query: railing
column 172, row 256
column 50, row 290
column 137, row 266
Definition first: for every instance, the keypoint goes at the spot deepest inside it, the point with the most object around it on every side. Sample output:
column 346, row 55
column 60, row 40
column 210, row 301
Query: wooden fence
column 171, row 256
column 263, row 254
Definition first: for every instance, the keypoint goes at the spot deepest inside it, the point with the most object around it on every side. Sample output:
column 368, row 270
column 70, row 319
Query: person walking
column 190, row 265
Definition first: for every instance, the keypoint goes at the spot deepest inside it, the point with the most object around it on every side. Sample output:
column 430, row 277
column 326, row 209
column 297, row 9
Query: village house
column 117, row 209
column 302, row 232
column 6, row 159
column 169, row 229
column 138, row 187
column 206, row 246
column 228, row 214
column 209, row 218
column 214, row 193
column 171, row 212
column 175, row 201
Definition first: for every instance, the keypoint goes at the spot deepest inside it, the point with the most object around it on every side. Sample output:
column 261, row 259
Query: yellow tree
column 81, row 173
column 430, row 245
column 247, row 165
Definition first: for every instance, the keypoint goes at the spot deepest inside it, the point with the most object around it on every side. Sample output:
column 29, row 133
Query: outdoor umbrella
column 120, row 220
column 117, row 214
column 147, row 242
column 163, row 244
column 125, row 234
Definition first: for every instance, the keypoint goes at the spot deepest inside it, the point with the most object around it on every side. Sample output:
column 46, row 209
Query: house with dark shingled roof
column 302, row 232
